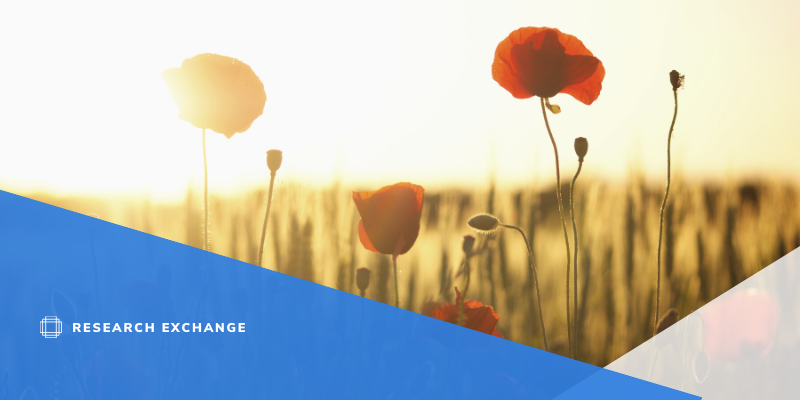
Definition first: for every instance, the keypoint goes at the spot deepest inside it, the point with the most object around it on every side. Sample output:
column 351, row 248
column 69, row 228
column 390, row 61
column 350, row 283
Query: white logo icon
column 50, row 327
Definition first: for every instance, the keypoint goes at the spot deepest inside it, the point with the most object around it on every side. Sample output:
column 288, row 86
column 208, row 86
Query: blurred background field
column 716, row 235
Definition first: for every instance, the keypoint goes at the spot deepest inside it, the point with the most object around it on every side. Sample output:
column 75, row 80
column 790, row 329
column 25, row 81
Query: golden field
column 715, row 236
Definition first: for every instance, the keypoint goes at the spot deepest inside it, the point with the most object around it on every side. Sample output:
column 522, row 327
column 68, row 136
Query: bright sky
column 383, row 91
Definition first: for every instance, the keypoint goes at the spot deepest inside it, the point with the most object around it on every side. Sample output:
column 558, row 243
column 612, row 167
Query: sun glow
column 372, row 93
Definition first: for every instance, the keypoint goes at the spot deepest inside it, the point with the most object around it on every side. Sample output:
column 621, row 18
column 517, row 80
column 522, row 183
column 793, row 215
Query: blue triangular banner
column 89, row 286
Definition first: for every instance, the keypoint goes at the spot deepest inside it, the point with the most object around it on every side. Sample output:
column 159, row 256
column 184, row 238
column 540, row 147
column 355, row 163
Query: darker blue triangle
column 300, row 341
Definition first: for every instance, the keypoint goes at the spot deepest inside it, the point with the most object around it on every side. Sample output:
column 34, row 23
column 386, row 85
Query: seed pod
column 362, row 279
column 676, row 79
column 274, row 160
column 581, row 148
column 483, row 223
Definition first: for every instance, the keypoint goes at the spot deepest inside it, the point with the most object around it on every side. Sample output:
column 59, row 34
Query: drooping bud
column 362, row 279
column 469, row 243
column 676, row 79
column 669, row 319
column 483, row 223
column 581, row 148
column 274, row 160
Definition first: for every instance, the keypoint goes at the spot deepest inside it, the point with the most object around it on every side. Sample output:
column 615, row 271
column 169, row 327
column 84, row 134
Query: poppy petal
column 741, row 325
column 362, row 235
column 216, row 92
column 476, row 316
column 588, row 90
column 442, row 311
column 390, row 216
column 584, row 89
column 479, row 317
column 572, row 45
column 544, row 62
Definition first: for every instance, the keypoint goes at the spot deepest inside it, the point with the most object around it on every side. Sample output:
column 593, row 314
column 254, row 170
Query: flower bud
column 469, row 243
column 676, row 79
column 274, row 160
column 581, row 148
column 483, row 223
column 362, row 279
column 669, row 319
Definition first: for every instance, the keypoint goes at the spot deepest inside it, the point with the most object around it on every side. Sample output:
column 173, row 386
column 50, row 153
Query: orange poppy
column 544, row 62
column 216, row 92
column 739, row 326
column 477, row 316
column 390, row 217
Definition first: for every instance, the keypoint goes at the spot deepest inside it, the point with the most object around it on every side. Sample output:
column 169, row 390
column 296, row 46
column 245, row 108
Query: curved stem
column 396, row 289
column 266, row 218
column 575, row 262
column 563, row 222
column 663, row 207
column 205, row 193
column 532, row 263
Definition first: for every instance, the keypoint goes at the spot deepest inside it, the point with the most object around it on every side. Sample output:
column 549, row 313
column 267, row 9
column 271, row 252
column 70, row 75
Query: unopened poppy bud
column 274, row 160
column 669, row 319
column 469, row 243
column 676, row 79
column 362, row 279
column 483, row 223
column 581, row 148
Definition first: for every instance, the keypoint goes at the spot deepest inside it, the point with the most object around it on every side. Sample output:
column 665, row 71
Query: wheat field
column 715, row 236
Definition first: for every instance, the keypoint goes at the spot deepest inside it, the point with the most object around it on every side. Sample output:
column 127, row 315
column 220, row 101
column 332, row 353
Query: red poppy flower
column 216, row 92
column 390, row 217
column 477, row 316
column 544, row 62
column 741, row 325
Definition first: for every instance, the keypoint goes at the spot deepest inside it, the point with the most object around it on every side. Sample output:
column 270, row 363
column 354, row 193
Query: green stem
column 205, row 193
column 532, row 263
column 266, row 218
column 563, row 222
column 663, row 207
column 575, row 262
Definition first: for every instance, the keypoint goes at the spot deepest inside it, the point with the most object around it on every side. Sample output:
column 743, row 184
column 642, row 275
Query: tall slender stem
column 532, row 263
column 575, row 262
column 663, row 207
column 563, row 222
column 396, row 286
column 266, row 218
column 461, row 320
column 205, row 193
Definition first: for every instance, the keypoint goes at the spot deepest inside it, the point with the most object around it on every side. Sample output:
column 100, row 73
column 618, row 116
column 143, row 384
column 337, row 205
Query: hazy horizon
column 374, row 94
